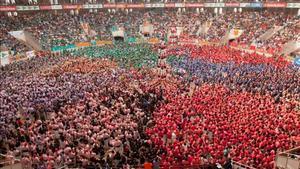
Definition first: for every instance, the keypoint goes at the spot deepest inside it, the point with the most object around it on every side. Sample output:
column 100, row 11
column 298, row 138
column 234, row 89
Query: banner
column 194, row 5
column 92, row 6
column 109, row 5
column 147, row 28
column 7, row 8
column 117, row 31
column 170, row 5
column 135, row 5
column 4, row 58
column 131, row 40
column 102, row 42
column 215, row 5
column 293, row 5
column 72, row 6
column 256, row 5
column 28, row 8
column 274, row 5
column 83, row 44
column 55, row 7
column 20, row 35
column 232, row 4
column 153, row 40
column 45, row 7
column 179, row 5
column 4, row 54
column 245, row 5
column 235, row 33
column 61, row 48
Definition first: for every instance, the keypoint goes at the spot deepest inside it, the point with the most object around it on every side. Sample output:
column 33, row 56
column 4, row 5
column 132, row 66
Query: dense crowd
column 78, row 112
column 59, row 29
column 200, row 106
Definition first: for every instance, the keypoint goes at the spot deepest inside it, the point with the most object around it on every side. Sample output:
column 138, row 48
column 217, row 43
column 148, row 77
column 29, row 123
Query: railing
column 288, row 159
column 8, row 161
column 237, row 165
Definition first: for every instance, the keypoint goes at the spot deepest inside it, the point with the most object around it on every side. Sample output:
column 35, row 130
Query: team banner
column 4, row 58
column 153, row 40
column 117, row 31
column 20, row 35
column 61, row 48
column 235, row 33
column 83, row 44
column 147, row 28
column 131, row 40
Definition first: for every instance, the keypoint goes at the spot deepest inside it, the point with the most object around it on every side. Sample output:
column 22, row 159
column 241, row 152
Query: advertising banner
column 28, row 8
column 92, row 6
column 293, row 5
column 179, row 5
column 194, row 5
column 170, row 5
column 245, row 5
column 72, row 6
column 109, row 5
column 215, row 5
column 256, row 5
column 232, row 4
column 121, row 6
column 274, row 5
column 135, row 5
column 56, row 7
column 45, row 7
column 7, row 8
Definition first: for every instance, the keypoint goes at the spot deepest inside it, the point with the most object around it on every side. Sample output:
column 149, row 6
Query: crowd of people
column 127, row 55
column 61, row 28
column 203, row 106
column 75, row 112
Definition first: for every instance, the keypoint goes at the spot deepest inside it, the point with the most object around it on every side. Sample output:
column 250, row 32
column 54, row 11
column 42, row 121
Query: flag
column 235, row 33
